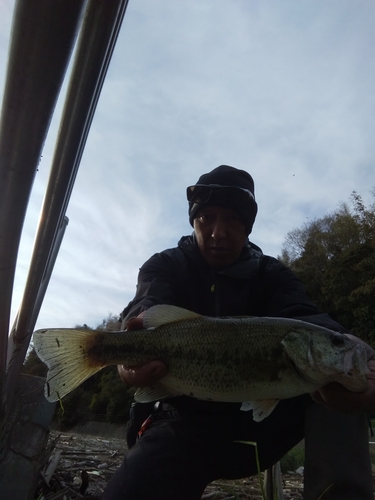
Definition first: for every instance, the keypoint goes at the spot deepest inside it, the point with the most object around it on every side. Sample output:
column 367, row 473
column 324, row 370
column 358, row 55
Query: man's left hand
column 337, row 397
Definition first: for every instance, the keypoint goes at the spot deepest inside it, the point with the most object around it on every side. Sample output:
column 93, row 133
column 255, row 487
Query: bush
column 293, row 459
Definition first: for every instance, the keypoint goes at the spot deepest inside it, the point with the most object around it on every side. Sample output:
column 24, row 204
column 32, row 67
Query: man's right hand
column 145, row 375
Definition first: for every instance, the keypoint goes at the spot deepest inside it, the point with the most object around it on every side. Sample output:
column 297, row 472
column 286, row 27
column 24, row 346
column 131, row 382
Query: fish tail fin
column 65, row 354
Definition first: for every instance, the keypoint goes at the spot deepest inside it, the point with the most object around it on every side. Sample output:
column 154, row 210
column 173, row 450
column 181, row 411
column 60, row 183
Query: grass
column 252, row 443
column 293, row 459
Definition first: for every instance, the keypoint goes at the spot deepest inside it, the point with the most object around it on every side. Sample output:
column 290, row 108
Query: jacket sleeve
column 284, row 295
column 156, row 285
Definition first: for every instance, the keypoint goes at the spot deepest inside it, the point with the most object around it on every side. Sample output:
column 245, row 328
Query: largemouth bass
column 253, row 360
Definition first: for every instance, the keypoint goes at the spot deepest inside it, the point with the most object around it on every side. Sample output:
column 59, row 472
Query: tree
column 33, row 365
column 335, row 258
column 112, row 398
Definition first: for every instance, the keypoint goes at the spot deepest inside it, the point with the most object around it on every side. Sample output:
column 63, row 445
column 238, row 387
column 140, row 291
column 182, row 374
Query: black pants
column 178, row 455
column 337, row 456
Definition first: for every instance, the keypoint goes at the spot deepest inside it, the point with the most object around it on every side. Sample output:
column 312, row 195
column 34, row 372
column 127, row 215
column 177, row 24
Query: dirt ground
column 80, row 466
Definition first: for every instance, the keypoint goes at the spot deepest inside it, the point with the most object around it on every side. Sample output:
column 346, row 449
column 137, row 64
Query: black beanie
column 227, row 176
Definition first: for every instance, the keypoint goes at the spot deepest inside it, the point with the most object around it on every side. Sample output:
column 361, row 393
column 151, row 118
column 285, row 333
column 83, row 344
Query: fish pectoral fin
column 261, row 408
column 149, row 394
column 162, row 314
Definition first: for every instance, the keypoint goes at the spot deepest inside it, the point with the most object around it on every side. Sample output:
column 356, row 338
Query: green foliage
column 111, row 397
column 33, row 365
column 335, row 258
column 294, row 459
column 72, row 407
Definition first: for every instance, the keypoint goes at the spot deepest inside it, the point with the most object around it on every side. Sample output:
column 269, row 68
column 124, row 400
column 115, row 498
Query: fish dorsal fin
column 261, row 408
column 164, row 313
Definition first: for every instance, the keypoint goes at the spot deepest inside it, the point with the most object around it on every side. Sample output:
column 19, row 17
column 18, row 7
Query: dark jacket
column 256, row 285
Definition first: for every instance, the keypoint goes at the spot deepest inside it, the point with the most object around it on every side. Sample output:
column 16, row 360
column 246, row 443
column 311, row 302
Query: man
column 187, row 443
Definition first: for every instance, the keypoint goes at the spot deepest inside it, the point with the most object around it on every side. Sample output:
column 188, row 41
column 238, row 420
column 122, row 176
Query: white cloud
column 281, row 89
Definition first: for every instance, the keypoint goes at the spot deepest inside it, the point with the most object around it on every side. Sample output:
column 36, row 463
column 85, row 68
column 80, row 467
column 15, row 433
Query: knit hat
column 226, row 187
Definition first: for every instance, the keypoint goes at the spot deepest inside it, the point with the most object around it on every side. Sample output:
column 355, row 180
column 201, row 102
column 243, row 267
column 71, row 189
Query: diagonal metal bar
column 42, row 32
column 19, row 351
column 95, row 46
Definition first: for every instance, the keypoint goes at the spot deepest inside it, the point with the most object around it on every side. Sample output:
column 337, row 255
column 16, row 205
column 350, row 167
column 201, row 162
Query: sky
column 282, row 89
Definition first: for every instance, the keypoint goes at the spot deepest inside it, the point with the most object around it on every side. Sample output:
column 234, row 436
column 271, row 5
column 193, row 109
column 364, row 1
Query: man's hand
column 145, row 375
column 337, row 397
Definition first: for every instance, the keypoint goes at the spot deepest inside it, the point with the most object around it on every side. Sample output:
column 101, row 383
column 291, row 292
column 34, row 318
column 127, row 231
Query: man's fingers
column 337, row 397
column 135, row 323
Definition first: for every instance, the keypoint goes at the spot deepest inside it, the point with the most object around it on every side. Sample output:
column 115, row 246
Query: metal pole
column 95, row 46
column 20, row 352
column 42, row 38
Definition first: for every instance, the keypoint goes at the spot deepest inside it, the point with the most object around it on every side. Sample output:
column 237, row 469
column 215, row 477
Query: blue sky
column 282, row 89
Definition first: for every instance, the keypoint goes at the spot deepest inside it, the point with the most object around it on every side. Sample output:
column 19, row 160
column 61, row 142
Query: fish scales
column 198, row 344
column 222, row 359
column 216, row 346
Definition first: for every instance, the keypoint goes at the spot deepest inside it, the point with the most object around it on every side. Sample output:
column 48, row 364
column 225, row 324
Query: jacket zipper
column 215, row 291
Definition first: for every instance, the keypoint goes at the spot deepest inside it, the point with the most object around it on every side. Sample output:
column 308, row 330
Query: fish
column 251, row 360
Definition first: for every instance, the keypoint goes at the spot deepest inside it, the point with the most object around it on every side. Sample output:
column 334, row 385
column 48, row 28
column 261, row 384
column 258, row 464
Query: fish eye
column 338, row 340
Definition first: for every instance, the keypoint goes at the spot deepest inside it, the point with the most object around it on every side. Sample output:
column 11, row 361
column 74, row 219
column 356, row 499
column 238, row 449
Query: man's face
column 220, row 235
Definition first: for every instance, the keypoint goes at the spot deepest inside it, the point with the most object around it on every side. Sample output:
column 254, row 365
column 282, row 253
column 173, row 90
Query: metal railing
column 42, row 40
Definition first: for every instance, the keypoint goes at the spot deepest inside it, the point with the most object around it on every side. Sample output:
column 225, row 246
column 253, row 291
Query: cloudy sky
column 282, row 89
